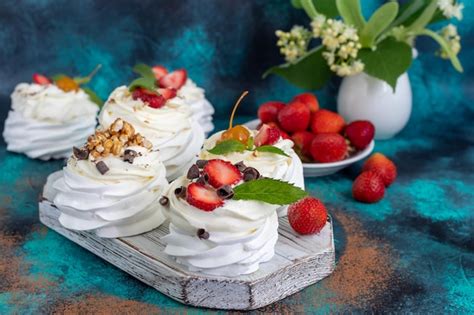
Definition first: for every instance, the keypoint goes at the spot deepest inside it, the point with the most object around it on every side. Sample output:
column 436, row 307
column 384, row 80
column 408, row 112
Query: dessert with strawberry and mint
column 264, row 149
column 50, row 115
column 223, row 217
column 111, row 185
column 165, row 119
column 320, row 135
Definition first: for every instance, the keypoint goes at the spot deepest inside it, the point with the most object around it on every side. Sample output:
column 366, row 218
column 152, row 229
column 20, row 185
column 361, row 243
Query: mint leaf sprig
column 146, row 80
column 269, row 190
column 229, row 146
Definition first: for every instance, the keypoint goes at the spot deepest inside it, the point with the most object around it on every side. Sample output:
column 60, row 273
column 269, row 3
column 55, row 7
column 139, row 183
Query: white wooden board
column 299, row 262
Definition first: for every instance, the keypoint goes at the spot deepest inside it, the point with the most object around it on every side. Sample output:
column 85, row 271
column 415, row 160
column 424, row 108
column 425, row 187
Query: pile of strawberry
column 168, row 84
column 319, row 135
column 212, row 182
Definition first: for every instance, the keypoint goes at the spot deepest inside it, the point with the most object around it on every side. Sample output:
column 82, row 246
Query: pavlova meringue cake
column 189, row 92
column 223, row 221
column 112, row 185
column 49, row 117
column 263, row 149
column 162, row 117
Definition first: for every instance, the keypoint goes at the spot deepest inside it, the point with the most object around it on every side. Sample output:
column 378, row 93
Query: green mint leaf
column 269, row 190
column 227, row 146
column 388, row 61
column 250, row 143
column 310, row 72
column 378, row 22
column 351, row 12
column 144, row 70
column 93, row 96
column 147, row 83
column 271, row 149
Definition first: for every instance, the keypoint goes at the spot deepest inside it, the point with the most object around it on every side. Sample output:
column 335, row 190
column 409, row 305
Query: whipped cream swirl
column 45, row 122
column 286, row 168
column 201, row 108
column 242, row 234
column 122, row 202
column 170, row 128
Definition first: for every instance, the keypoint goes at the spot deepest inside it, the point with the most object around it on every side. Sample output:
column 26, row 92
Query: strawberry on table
column 328, row 147
column 294, row 117
column 307, row 216
column 268, row 112
column 368, row 187
column 360, row 133
column 159, row 71
column 174, row 80
column 383, row 166
column 309, row 99
column 41, row 79
column 325, row 121
column 202, row 197
column 222, row 173
column 267, row 135
column 303, row 140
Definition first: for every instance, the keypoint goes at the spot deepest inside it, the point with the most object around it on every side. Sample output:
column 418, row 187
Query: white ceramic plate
column 323, row 169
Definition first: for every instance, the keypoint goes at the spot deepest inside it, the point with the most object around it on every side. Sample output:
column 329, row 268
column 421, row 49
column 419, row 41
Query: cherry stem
column 93, row 72
column 244, row 94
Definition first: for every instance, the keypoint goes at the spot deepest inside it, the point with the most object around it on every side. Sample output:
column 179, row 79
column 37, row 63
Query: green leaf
column 270, row 191
column 271, row 149
column 326, row 7
column 409, row 12
column 424, row 19
column 309, row 8
column 309, row 72
column 445, row 46
column 147, row 83
column 144, row 70
column 250, row 143
column 378, row 23
column 390, row 60
column 227, row 146
column 351, row 13
column 296, row 4
column 93, row 96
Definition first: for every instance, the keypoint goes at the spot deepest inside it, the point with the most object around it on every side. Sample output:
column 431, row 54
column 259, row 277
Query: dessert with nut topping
column 112, row 185
column 164, row 119
column 223, row 217
column 50, row 116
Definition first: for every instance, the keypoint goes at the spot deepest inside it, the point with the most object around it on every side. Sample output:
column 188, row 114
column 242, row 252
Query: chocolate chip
column 202, row 234
column 240, row 166
column 80, row 154
column 201, row 163
column 164, row 201
column 180, row 192
column 250, row 173
column 102, row 167
column 225, row 192
column 193, row 172
column 129, row 155
column 201, row 180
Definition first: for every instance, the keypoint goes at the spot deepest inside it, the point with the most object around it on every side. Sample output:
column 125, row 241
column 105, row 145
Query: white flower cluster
column 451, row 8
column 450, row 34
column 342, row 45
column 293, row 44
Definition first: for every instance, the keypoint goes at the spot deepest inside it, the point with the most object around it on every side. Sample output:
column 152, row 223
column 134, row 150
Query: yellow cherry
column 239, row 132
column 67, row 84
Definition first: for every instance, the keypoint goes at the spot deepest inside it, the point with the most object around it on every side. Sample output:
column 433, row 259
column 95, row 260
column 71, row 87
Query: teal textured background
column 411, row 252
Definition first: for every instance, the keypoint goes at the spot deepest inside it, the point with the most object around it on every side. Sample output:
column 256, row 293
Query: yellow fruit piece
column 67, row 84
column 239, row 133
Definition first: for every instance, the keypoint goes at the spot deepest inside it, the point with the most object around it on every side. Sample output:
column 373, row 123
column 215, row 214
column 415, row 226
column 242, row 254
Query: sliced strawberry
column 174, row 80
column 41, row 79
column 202, row 197
column 167, row 93
column 159, row 71
column 222, row 173
column 267, row 135
column 149, row 97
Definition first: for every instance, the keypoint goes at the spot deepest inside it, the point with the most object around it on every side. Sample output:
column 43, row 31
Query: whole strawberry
column 325, row 121
column 303, row 140
column 294, row 117
column 360, row 133
column 381, row 164
column 268, row 112
column 368, row 187
column 309, row 99
column 328, row 147
column 307, row 216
